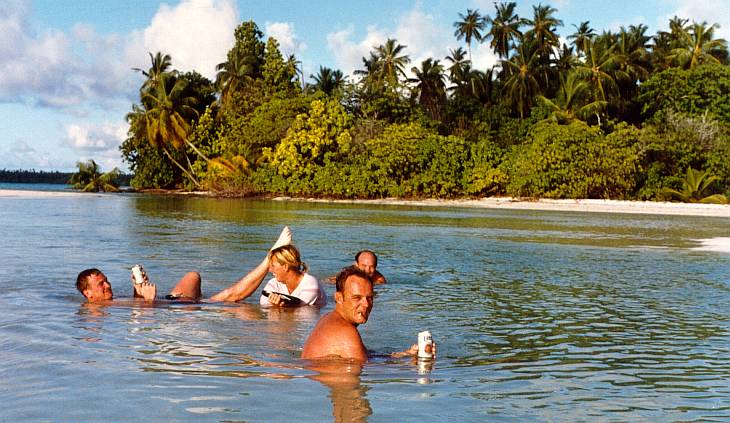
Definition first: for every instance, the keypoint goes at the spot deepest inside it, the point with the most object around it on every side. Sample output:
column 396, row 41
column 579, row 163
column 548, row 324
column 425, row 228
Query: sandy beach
column 592, row 206
column 586, row 205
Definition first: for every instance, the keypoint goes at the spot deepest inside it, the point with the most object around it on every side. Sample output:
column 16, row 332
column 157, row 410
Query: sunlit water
column 539, row 316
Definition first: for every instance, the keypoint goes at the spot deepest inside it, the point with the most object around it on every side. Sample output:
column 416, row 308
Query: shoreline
column 504, row 203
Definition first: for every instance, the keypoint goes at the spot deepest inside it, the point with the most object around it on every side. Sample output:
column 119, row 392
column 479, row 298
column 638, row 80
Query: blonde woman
column 291, row 284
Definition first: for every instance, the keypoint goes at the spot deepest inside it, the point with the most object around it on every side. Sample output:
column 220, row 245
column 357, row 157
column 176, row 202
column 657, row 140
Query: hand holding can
column 425, row 339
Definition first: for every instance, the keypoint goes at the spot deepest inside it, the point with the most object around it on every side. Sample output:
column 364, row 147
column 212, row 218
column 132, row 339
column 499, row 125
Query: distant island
column 34, row 176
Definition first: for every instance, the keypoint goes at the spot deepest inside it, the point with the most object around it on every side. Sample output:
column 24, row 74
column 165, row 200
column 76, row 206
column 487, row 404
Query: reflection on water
column 539, row 316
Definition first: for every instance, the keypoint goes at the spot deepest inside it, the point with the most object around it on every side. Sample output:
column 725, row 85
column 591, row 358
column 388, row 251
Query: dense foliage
column 623, row 115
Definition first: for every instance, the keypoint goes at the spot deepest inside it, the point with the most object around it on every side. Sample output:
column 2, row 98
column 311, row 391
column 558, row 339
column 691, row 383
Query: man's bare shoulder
column 334, row 337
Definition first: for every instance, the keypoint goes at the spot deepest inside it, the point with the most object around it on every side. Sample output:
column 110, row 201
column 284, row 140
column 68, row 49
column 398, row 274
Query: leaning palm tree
column 90, row 179
column 698, row 45
column 166, row 120
column 694, row 189
column 470, row 27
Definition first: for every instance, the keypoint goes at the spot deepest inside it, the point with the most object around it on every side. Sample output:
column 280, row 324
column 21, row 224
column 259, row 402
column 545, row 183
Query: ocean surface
column 538, row 316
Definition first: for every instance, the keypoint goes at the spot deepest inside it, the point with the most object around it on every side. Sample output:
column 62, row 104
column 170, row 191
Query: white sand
column 16, row 193
column 597, row 206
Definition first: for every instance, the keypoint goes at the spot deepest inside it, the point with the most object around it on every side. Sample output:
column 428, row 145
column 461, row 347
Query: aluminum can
column 424, row 338
column 137, row 274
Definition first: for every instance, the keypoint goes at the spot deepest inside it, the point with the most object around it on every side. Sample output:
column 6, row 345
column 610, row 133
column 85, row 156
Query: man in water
column 94, row 285
column 367, row 261
column 336, row 334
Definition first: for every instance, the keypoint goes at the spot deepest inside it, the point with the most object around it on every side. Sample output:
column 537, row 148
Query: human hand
column 276, row 299
column 147, row 290
column 137, row 286
column 413, row 351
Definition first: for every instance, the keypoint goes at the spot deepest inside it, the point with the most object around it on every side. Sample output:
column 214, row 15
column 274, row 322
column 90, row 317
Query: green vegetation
column 90, row 179
column 622, row 115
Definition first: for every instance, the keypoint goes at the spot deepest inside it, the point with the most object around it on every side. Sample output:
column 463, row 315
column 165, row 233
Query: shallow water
column 539, row 316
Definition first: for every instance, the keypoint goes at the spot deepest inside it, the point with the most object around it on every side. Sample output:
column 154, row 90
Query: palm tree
column 697, row 46
column 458, row 61
column 327, row 80
column 523, row 72
column 543, row 28
column 505, row 28
column 633, row 48
column 597, row 68
column 430, row 88
column 582, row 32
column 159, row 65
column 470, row 27
column 694, row 189
column 296, row 68
column 565, row 60
column 90, row 179
column 165, row 120
column 391, row 62
column 572, row 101
column 232, row 75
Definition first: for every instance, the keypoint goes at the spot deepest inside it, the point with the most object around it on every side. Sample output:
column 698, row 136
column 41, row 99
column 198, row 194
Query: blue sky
column 66, row 79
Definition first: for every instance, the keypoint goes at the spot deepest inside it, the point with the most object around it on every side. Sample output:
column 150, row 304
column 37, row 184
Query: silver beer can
column 424, row 338
column 137, row 274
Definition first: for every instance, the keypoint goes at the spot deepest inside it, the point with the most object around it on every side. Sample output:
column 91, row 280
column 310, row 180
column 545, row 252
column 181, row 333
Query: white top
column 309, row 291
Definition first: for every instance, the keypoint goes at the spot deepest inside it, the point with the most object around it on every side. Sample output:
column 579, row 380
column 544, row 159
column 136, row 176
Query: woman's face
column 278, row 269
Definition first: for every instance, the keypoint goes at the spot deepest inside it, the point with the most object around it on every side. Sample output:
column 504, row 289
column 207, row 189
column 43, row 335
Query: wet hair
column 288, row 255
column 357, row 256
column 82, row 280
column 345, row 273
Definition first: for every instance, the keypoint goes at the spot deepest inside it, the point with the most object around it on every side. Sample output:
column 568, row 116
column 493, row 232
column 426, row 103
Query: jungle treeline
column 608, row 114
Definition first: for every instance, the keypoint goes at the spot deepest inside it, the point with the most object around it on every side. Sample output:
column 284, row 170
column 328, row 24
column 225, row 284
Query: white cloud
column 289, row 42
column 348, row 54
column 54, row 69
column 21, row 155
column 711, row 11
column 97, row 141
column 197, row 34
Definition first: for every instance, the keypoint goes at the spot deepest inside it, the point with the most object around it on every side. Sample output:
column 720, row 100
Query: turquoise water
column 35, row 187
column 539, row 316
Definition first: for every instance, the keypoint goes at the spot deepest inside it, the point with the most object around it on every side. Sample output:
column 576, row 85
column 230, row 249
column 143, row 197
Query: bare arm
column 245, row 286
column 413, row 351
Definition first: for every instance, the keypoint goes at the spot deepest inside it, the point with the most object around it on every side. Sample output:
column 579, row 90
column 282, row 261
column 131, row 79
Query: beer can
column 424, row 338
column 137, row 274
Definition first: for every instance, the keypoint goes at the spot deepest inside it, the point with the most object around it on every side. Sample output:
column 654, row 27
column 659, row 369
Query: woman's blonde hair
column 288, row 255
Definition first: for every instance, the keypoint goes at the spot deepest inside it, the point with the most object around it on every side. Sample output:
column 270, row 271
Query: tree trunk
column 197, row 151
column 185, row 171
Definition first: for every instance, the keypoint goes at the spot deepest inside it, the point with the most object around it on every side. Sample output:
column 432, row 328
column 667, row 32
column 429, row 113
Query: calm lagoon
column 539, row 316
